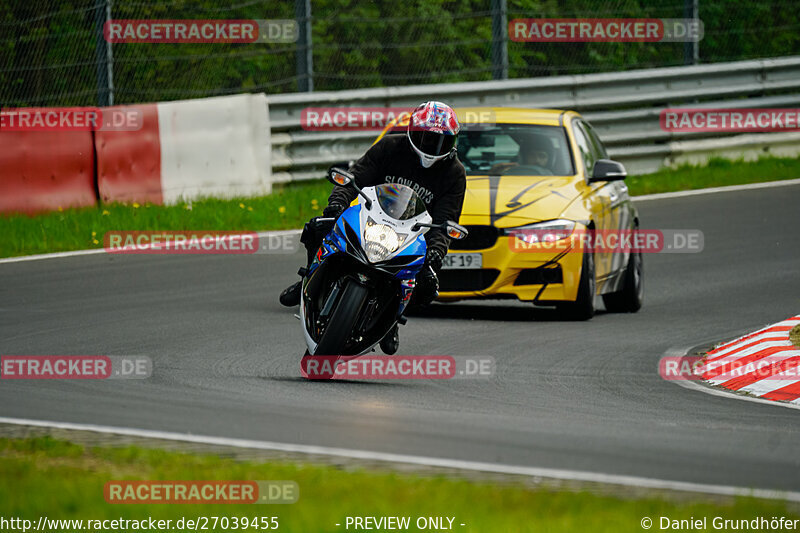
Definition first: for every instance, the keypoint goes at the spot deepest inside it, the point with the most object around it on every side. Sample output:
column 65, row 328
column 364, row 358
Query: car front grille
column 479, row 238
column 467, row 279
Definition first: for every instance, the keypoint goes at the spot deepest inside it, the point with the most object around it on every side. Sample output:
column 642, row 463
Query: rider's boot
column 391, row 342
column 290, row 296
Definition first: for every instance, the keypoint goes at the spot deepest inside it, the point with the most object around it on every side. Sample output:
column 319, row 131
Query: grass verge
column 62, row 480
column 82, row 229
column 717, row 173
column 292, row 205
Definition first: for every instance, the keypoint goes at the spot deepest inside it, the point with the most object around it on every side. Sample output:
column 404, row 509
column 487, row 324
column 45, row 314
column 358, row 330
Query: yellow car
column 536, row 178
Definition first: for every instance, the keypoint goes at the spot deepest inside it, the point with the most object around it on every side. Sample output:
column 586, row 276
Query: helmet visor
column 432, row 143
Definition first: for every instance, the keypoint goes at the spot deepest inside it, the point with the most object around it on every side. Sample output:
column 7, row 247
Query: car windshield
column 399, row 201
column 515, row 149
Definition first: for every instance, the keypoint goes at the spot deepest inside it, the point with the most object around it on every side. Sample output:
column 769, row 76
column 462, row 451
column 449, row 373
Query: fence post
column 105, row 59
column 305, row 60
column 499, row 40
column 691, row 49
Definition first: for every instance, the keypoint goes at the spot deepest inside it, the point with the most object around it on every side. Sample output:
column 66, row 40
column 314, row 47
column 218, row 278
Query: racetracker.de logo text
column 620, row 30
column 199, row 242
column 201, row 31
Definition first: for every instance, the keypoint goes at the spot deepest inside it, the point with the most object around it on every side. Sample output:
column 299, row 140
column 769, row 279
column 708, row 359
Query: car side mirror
column 608, row 170
column 340, row 177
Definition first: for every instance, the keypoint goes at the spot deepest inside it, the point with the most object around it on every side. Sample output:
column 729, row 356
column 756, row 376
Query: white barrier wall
column 623, row 107
column 216, row 147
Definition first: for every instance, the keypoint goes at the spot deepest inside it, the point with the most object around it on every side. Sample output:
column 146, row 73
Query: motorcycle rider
column 425, row 159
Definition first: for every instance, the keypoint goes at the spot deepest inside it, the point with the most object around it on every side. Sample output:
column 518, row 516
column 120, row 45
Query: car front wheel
column 630, row 298
column 583, row 306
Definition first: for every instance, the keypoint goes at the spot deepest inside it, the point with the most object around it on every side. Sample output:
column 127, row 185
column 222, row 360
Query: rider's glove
column 314, row 232
column 434, row 259
column 318, row 227
column 333, row 211
column 427, row 287
column 322, row 227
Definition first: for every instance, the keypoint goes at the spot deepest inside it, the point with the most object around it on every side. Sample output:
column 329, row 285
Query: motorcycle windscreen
column 399, row 201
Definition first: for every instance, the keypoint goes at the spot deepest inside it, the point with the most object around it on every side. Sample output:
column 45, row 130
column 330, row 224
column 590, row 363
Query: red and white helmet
column 432, row 130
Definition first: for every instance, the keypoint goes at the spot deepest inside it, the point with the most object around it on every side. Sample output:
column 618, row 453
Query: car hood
column 508, row 201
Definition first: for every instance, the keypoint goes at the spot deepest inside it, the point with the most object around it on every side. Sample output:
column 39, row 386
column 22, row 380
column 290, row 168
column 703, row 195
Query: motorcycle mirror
column 340, row 177
column 343, row 178
column 454, row 231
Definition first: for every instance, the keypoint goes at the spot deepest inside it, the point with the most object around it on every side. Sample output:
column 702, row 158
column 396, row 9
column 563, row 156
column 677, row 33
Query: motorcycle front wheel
column 343, row 318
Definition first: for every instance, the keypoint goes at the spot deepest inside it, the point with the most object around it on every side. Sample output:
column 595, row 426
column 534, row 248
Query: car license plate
column 462, row 261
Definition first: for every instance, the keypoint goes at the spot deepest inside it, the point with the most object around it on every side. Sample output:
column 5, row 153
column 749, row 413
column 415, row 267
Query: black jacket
column 393, row 160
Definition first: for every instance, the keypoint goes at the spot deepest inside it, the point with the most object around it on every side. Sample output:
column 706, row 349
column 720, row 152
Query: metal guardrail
column 622, row 106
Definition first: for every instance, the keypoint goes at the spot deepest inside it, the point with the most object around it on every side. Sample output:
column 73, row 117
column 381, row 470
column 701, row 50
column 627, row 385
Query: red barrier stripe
column 773, row 329
column 776, row 368
column 744, row 347
column 129, row 162
column 744, row 361
column 787, row 393
column 45, row 170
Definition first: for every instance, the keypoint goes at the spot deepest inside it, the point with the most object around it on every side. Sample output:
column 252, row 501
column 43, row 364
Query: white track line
column 551, row 473
column 58, row 255
column 712, row 190
column 643, row 198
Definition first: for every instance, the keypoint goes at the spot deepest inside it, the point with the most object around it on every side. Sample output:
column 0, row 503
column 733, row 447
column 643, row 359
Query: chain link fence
column 49, row 49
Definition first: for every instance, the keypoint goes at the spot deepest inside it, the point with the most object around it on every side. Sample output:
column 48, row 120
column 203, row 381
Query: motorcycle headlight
column 543, row 232
column 381, row 240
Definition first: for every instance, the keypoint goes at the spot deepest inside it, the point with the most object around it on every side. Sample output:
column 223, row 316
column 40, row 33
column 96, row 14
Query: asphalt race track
column 578, row 396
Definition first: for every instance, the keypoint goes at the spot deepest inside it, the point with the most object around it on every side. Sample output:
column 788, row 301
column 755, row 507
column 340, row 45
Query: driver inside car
column 425, row 159
column 535, row 157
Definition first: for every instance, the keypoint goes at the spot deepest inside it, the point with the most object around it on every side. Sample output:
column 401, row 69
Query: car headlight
column 381, row 240
column 543, row 232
